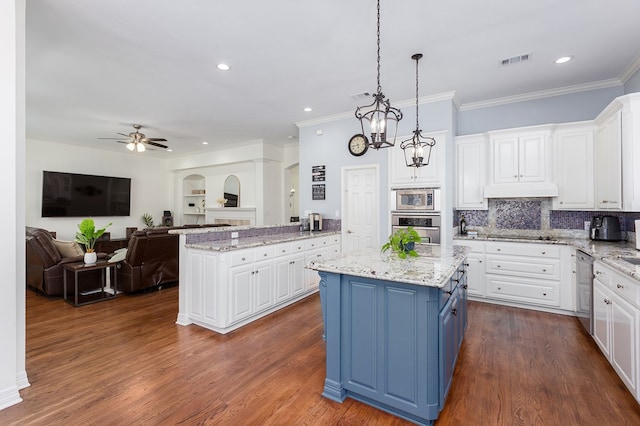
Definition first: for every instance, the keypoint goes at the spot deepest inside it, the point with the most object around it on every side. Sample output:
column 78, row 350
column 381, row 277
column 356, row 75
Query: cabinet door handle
column 544, row 252
column 544, row 294
column 619, row 286
column 450, row 292
column 454, row 311
column 283, row 250
column 544, row 270
column 497, row 249
column 465, row 286
column 243, row 259
column 253, row 272
column 515, row 176
column 479, row 261
column 466, row 264
column 598, row 272
column 607, row 301
column 497, row 266
column 265, row 254
column 499, row 288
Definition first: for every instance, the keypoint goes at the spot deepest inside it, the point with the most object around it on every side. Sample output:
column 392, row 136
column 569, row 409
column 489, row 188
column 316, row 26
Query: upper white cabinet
column 573, row 166
column 608, row 166
column 471, row 172
column 431, row 175
column 618, row 155
column 520, row 163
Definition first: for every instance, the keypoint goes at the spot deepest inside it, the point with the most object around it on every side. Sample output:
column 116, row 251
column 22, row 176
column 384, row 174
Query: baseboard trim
column 9, row 397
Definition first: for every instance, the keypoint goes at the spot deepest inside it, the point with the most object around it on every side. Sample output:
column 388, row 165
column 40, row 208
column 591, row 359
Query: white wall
column 12, row 308
column 151, row 184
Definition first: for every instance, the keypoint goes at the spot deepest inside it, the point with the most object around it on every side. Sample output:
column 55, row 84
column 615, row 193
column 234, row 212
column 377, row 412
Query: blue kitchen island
column 393, row 328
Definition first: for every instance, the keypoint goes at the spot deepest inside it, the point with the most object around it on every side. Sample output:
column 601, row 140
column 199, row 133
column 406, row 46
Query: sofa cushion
column 68, row 248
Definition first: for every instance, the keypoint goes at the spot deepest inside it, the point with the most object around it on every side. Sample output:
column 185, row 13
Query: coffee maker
column 315, row 222
column 605, row 228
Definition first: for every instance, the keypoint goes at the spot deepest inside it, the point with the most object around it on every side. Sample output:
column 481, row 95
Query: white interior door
column 360, row 207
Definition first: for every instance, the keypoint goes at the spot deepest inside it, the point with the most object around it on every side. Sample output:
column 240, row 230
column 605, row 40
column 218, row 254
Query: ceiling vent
column 516, row 59
column 359, row 96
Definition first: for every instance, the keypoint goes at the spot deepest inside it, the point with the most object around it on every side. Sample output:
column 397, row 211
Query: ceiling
column 95, row 67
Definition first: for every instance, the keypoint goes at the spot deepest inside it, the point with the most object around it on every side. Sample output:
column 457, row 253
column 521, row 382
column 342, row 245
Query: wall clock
column 358, row 145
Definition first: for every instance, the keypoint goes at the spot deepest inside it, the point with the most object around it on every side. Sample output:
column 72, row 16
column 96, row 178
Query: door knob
column 349, row 231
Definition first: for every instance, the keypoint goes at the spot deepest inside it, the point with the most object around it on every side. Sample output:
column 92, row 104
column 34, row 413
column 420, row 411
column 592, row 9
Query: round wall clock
column 358, row 145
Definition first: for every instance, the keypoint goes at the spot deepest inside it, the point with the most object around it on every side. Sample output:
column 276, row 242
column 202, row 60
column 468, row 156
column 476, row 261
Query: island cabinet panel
column 389, row 351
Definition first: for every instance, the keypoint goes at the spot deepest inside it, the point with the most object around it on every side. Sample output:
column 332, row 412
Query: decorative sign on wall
column 317, row 191
column 317, row 173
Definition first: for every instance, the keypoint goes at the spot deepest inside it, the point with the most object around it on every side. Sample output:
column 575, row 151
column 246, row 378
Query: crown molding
column 603, row 84
column 446, row 96
column 633, row 67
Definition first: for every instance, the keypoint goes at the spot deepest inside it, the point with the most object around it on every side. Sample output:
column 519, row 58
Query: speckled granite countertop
column 432, row 268
column 610, row 253
column 262, row 240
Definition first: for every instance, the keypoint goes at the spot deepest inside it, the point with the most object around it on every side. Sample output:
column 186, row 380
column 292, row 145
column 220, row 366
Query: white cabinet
column 471, row 171
column 520, row 163
column 616, row 322
column 618, row 155
column 475, row 268
column 608, row 163
column 431, row 175
column 224, row 290
column 519, row 157
column 573, row 166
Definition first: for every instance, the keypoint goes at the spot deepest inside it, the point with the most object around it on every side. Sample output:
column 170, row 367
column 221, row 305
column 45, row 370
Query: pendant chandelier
column 379, row 119
column 418, row 148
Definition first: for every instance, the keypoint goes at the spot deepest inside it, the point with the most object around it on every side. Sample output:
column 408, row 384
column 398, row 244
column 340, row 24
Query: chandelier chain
column 417, row 125
column 378, row 35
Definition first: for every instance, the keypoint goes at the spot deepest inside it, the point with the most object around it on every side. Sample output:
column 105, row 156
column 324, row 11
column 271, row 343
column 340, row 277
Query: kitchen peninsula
column 393, row 328
column 230, row 276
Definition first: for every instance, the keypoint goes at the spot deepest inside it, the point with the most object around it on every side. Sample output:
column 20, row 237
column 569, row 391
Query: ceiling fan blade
column 128, row 136
column 111, row 138
column 157, row 144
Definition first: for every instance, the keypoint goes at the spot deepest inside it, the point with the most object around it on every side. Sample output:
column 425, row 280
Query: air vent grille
column 359, row 96
column 516, row 59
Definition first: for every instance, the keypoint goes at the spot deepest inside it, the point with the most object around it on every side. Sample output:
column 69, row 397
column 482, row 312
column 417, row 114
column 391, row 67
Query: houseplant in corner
column 402, row 242
column 87, row 235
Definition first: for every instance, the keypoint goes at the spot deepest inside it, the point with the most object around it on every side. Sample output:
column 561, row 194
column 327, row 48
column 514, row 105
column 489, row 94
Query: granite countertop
column 610, row 253
column 432, row 268
column 210, row 229
column 258, row 241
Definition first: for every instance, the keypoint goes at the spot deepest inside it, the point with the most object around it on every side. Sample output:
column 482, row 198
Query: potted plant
column 147, row 219
column 402, row 242
column 87, row 235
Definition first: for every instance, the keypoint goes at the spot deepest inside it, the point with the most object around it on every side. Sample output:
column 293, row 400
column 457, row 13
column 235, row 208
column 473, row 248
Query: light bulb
column 140, row 147
column 131, row 146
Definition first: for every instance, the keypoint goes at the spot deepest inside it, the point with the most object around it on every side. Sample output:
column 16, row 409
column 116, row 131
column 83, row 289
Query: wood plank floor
column 125, row 362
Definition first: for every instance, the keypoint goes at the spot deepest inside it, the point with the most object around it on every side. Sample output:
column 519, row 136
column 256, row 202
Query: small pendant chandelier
column 419, row 145
column 379, row 119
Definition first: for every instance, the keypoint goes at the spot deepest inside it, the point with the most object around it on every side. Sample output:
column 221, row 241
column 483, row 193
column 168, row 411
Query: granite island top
column 608, row 252
column 432, row 268
column 257, row 241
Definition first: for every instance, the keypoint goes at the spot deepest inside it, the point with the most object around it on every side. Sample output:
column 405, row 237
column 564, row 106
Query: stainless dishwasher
column 584, row 290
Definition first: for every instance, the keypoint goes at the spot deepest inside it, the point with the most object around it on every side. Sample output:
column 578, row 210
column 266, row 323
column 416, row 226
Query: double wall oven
column 418, row 208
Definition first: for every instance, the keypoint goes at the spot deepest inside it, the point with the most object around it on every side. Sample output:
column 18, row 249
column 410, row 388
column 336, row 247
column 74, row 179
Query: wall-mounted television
column 78, row 195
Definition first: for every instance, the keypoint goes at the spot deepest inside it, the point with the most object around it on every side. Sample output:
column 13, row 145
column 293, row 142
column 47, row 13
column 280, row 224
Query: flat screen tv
column 77, row 195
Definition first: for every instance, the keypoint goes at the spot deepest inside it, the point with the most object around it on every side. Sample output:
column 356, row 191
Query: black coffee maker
column 605, row 228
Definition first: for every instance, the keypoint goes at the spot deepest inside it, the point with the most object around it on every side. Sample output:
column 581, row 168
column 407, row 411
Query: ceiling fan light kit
column 138, row 140
column 379, row 118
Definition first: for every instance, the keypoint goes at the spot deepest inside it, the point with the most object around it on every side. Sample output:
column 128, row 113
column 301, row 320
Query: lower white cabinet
column 225, row 290
column 616, row 322
column 527, row 274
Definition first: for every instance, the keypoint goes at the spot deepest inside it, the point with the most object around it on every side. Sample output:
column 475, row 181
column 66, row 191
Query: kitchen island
column 234, row 275
column 393, row 328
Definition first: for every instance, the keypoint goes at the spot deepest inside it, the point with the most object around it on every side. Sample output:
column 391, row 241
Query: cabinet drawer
column 241, row 257
column 527, row 250
column 602, row 273
column 288, row 248
column 626, row 287
column 534, row 268
column 263, row 253
column 522, row 290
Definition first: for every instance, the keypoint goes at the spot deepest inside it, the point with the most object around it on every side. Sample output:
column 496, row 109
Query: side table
column 99, row 293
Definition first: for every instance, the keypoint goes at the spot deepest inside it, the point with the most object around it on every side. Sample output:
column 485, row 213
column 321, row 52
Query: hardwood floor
column 125, row 362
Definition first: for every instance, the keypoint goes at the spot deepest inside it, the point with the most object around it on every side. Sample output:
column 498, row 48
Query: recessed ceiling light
column 563, row 59
column 205, row 143
column 307, row 109
column 223, row 67
column 169, row 150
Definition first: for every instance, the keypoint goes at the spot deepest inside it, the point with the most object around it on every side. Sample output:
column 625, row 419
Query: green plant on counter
column 147, row 219
column 88, row 235
column 402, row 242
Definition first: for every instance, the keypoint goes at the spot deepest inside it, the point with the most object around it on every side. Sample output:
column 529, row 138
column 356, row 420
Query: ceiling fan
column 137, row 140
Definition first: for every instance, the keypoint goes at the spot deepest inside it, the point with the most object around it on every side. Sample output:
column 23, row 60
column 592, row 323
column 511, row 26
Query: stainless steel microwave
column 425, row 199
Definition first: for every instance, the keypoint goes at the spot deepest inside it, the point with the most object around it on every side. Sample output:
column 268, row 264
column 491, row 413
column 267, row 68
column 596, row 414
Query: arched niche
column 232, row 191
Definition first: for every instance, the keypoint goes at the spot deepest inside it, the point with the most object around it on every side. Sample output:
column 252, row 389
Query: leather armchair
column 45, row 265
column 151, row 260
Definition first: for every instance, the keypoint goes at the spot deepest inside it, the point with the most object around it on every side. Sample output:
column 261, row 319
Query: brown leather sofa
column 44, row 265
column 151, row 259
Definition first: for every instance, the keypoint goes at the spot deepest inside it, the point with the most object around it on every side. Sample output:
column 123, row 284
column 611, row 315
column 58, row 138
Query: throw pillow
column 68, row 248
column 118, row 255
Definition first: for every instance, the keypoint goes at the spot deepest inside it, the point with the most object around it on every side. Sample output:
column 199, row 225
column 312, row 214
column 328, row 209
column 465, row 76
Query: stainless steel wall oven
column 427, row 225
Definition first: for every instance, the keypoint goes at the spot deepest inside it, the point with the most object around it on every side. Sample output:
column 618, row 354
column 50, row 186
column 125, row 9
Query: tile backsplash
column 535, row 215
